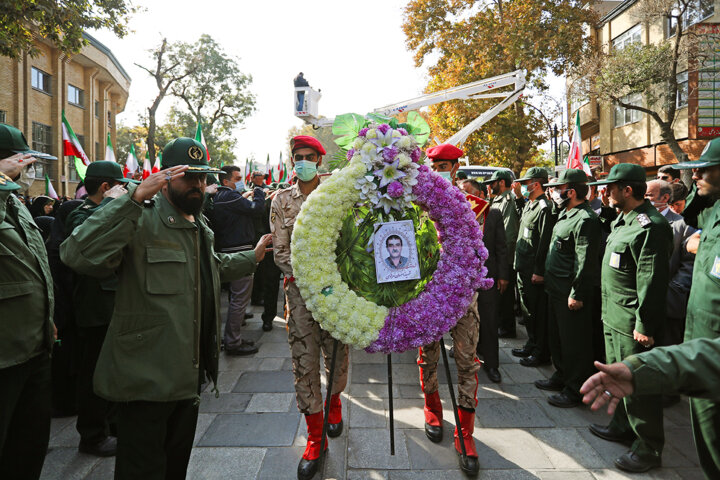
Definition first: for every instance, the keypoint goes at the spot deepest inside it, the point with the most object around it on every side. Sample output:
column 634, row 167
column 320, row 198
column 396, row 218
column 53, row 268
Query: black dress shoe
column 521, row 352
column 247, row 342
column 561, row 400
column 633, row 463
column 502, row 333
column 493, row 374
column 243, row 349
column 533, row 361
column 107, row 447
column 248, row 315
column 335, row 429
column 606, row 434
column 469, row 465
column 267, row 326
column 549, row 385
column 307, row 469
column 435, row 434
column 452, row 352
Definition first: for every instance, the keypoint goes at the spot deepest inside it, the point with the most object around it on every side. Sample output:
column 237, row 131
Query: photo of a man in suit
column 395, row 260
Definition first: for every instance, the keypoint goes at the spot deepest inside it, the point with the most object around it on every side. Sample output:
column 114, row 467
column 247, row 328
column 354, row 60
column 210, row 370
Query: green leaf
column 419, row 128
column 377, row 118
column 348, row 125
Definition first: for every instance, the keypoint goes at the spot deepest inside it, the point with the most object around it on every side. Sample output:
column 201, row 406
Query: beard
column 190, row 205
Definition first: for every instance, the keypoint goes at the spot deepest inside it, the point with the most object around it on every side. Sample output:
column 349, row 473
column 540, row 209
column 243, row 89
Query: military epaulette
column 644, row 220
column 86, row 207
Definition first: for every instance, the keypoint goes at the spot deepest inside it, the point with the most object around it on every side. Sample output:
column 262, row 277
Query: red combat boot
column 309, row 463
column 469, row 464
column 433, row 417
column 335, row 421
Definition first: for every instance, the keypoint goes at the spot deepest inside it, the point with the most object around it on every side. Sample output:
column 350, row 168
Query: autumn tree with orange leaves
column 462, row 41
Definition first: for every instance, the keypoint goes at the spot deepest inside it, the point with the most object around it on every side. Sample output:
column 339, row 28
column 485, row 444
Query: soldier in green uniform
column 690, row 368
column 536, row 225
column 702, row 319
column 501, row 185
column 93, row 301
column 635, row 274
column 26, row 328
column 570, row 269
column 163, row 336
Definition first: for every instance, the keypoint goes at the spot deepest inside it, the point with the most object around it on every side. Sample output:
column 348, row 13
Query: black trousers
column 155, row 439
column 488, row 341
column 266, row 286
column 93, row 411
column 507, row 305
column 25, row 409
column 64, row 374
column 535, row 306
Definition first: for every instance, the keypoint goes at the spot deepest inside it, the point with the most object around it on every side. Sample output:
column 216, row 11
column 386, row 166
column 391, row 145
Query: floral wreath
column 383, row 174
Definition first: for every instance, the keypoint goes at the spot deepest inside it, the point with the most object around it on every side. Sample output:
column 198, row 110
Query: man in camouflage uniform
column 305, row 336
column 465, row 336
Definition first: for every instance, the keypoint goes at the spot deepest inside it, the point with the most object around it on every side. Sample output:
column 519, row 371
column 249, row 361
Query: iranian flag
column 248, row 171
column 146, row 166
column 158, row 163
column 109, row 152
column 72, row 148
column 131, row 164
column 575, row 156
column 199, row 137
column 49, row 189
column 280, row 170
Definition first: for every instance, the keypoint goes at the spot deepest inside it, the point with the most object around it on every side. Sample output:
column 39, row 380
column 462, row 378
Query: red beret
column 302, row 141
column 444, row 152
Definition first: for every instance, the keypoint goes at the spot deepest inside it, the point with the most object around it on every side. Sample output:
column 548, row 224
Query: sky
column 354, row 52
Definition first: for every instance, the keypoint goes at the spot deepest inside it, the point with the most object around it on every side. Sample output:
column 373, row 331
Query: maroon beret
column 444, row 152
column 302, row 141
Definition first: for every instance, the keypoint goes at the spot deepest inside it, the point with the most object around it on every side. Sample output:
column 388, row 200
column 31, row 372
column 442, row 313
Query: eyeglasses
column 310, row 156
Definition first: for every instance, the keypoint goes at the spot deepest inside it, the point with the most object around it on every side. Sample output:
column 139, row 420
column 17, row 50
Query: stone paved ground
column 254, row 431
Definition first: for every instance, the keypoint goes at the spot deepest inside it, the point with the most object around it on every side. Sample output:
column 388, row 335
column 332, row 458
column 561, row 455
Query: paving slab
column 251, row 430
column 506, row 413
column 224, row 463
column 367, row 475
column 271, row 402
column 265, row 382
column 203, row 422
column 370, row 448
column 67, row 464
column 273, row 349
column 224, row 403
column 509, row 448
column 426, row 455
column 272, row 363
column 567, row 450
column 104, row 469
column 280, row 463
column 366, row 412
column 657, row 474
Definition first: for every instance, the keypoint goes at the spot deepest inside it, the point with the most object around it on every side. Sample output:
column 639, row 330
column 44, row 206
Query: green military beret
column 571, row 175
column 186, row 151
column 624, row 172
column 13, row 139
column 535, row 173
column 709, row 157
column 500, row 175
column 6, row 183
column 106, row 169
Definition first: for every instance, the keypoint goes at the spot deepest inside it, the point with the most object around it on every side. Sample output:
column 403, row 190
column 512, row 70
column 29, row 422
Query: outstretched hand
column 154, row 183
column 12, row 166
column 615, row 379
column 261, row 247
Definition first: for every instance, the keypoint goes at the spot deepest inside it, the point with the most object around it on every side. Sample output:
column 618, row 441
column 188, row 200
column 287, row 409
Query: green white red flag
column 147, row 168
column 131, row 164
column 158, row 163
column 199, row 137
column 71, row 144
column 109, row 152
column 575, row 156
column 49, row 189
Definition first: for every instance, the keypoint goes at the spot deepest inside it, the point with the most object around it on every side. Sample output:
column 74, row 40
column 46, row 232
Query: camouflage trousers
column 465, row 338
column 307, row 340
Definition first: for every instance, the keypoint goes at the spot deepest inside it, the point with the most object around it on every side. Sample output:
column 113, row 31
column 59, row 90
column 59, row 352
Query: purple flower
column 389, row 154
column 402, row 131
column 384, row 128
column 415, row 155
column 363, row 132
column 350, row 154
column 395, row 189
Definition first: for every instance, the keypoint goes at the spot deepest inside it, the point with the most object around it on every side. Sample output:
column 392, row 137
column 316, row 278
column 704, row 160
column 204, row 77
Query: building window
column 97, row 109
column 683, row 90
column 696, row 12
column 630, row 36
column 97, row 150
column 3, row 116
column 42, row 142
column 40, row 80
column 76, row 96
column 625, row 116
column 73, row 175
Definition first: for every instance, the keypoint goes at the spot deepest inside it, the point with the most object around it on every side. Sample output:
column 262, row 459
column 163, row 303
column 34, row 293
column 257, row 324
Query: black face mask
column 564, row 199
column 186, row 203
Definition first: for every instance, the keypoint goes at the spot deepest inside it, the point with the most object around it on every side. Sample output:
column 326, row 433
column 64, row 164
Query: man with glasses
column 307, row 340
column 163, row 339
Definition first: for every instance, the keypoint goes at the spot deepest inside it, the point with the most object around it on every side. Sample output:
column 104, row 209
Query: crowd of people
column 111, row 312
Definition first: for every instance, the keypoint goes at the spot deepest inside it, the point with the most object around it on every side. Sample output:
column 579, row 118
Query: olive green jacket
column 703, row 315
column 152, row 348
column 536, row 226
column 571, row 267
column 93, row 298
column 636, row 272
column 505, row 202
column 690, row 368
column 26, row 288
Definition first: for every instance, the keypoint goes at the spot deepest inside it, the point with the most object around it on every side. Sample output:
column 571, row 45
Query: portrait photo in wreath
column 396, row 257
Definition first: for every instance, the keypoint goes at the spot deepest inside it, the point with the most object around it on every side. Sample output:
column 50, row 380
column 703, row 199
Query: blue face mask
column 305, row 170
column 524, row 190
column 240, row 186
column 446, row 175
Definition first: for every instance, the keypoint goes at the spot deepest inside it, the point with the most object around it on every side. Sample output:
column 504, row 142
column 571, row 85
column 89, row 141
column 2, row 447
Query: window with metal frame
column 40, row 80
column 633, row 35
column 625, row 116
column 697, row 11
column 683, row 89
column 3, row 116
column 76, row 96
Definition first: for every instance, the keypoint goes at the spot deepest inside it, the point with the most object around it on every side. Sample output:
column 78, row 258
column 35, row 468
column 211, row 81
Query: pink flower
column 395, row 189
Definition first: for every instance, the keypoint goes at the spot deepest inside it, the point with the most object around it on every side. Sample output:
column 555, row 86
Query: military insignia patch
column 171, row 219
column 195, row 152
column 715, row 270
column 643, row 220
column 272, row 217
column 526, row 233
column 615, row 260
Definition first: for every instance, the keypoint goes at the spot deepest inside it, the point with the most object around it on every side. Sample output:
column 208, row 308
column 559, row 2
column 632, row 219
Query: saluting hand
column 611, row 384
column 115, row 192
column 12, row 166
column 261, row 247
column 154, row 183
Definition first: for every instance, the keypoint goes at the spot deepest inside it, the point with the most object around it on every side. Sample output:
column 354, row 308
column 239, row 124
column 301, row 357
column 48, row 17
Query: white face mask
column 27, row 177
